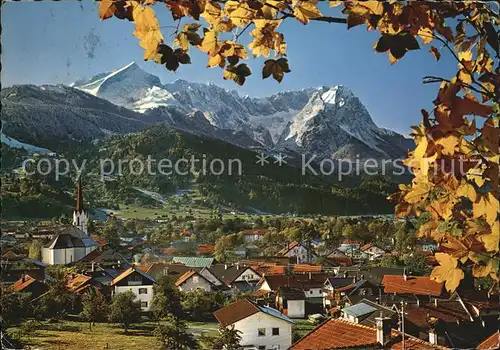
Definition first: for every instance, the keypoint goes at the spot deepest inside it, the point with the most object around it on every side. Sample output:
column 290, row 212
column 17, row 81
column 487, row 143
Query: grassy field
column 77, row 336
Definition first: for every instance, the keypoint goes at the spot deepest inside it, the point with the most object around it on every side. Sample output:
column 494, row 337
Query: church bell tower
column 80, row 218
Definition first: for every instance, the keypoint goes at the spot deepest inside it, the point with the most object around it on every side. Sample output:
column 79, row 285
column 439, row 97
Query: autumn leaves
column 462, row 202
column 223, row 19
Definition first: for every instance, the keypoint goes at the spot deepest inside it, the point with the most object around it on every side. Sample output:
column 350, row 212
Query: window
column 144, row 304
column 143, row 291
column 311, row 291
column 135, row 278
column 276, row 331
column 195, row 279
column 261, row 332
column 262, row 347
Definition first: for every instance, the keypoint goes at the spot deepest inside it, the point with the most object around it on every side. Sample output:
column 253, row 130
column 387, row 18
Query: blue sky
column 59, row 42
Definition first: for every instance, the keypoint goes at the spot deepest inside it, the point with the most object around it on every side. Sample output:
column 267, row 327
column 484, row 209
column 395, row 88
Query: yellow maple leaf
column 212, row 12
column 239, row 13
column 447, row 271
column 210, row 44
column 491, row 240
column 448, row 143
column 426, row 35
column 271, row 7
column 145, row 20
column 465, row 56
column 335, row 3
column 468, row 191
column 264, row 38
column 486, row 206
column 305, row 10
column 217, row 60
column 418, row 193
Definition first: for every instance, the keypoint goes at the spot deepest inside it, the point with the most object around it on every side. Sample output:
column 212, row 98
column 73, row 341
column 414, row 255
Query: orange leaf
column 466, row 106
column 107, row 9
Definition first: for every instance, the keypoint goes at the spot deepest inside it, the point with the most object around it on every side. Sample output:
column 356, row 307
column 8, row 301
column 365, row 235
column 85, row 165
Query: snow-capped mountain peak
column 123, row 86
column 326, row 119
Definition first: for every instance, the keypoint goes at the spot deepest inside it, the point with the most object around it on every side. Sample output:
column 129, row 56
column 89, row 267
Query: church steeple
column 80, row 218
column 79, row 196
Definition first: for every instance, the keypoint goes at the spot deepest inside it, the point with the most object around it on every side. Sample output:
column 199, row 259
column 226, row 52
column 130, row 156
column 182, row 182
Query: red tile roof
column 169, row 251
column 492, row 342
column 304, row 268
column 269, row 270
column 366, row 246
column 259, row 232
column 340, row 334
column 418, row 285
column 130, row 271
column 341, row 261
column 77, row 283
column 206, row 249
column 22, row 283
column 144, row 267
column 236, row 311
column 351, row 242
column 185, row 277
column 448, row 311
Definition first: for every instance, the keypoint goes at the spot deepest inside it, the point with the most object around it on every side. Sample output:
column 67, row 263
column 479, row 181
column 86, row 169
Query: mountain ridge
column 317, row 117
column 327, row 121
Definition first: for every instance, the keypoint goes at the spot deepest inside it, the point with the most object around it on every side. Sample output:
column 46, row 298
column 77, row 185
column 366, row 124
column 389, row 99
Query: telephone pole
column 403, row 347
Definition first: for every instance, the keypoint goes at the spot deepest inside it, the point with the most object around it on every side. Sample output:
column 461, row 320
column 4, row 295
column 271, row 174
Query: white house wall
column 247, row 275
column 148, row 297
column 63, row 256
column 190, row 285
column 296, row 308
column 249, row 331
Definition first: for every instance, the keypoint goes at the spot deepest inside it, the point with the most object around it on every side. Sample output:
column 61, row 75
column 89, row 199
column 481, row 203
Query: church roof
column 65, row 240
column 71, row 237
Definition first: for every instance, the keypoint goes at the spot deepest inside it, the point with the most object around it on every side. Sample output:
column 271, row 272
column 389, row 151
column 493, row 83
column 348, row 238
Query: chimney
column 383, row 329
column 237, row 266
column 433, row 338
column 23, row 279
column 405, row 276
column 418, row 302
column 93, row 266
column 435, row 302
column 225, row 266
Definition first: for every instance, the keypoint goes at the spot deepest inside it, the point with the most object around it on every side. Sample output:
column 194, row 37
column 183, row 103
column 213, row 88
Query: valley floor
column 77, row 336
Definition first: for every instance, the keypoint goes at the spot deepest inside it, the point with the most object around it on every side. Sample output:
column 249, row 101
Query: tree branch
column 330, row 19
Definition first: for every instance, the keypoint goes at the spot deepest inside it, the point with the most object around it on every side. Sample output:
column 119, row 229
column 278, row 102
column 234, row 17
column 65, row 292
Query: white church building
column 73, row 242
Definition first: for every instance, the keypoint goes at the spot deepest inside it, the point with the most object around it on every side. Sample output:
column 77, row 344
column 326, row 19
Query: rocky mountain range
column 330, row 122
